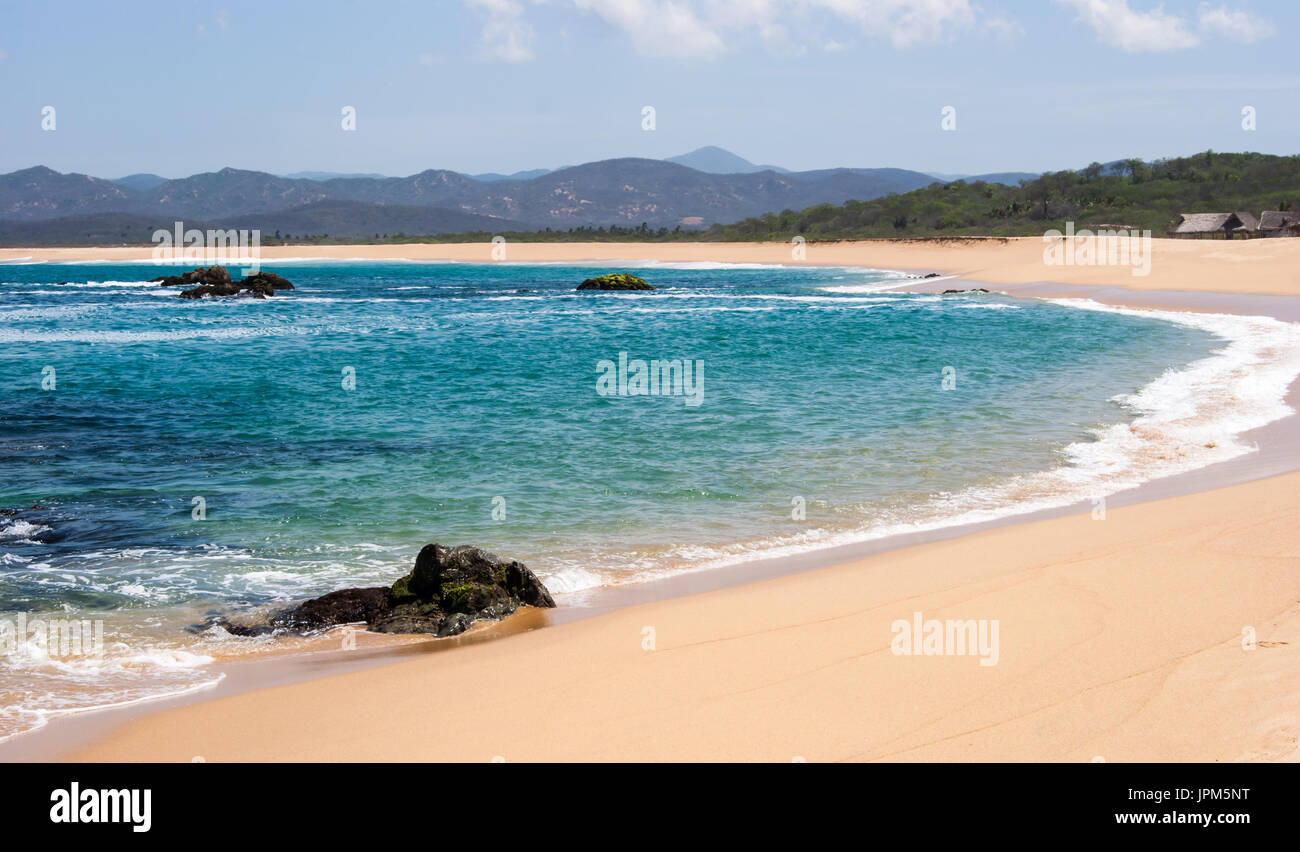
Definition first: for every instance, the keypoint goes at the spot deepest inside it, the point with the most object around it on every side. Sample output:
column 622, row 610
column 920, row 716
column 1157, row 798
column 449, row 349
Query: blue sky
column 502, row 85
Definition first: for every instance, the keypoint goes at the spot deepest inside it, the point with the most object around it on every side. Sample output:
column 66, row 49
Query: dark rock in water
column 9, row 513
column 975, row 290
column 346, row 606
column 35, row 515
column 931, row 275
column 216, row 281
column 215, row 276
column 615, row 281
column 219, row 290
column 458, row 581
column 449, row 589
column 275, row 282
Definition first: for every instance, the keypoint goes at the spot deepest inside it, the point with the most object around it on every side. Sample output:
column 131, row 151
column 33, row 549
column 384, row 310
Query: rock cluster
column 216, row 281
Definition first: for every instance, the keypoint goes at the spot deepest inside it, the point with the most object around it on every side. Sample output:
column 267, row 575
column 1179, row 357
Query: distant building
column 1278, row 223
column 1220, row 225
column 1249, row 224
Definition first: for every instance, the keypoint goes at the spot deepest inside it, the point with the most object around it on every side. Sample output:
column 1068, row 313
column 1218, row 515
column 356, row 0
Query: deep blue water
column 480, row 382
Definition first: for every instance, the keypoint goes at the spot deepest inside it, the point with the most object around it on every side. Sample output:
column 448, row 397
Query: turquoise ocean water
column 330, row 432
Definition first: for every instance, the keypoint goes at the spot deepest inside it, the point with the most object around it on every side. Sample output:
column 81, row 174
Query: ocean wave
column 29, row 312
column 873, row 287
column 570, row 579
column 19, row 530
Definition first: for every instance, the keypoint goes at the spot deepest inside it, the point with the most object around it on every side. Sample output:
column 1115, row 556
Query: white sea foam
column 19, row 530
column 46, row 313
column 873, row 287
column 981, row 306
column 36, row 710
column 570, row 579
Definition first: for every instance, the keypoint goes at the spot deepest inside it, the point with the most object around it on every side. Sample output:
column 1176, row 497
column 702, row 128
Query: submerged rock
column 615, row 281
column 973, row 290
column 449, row 589
column 216, row 281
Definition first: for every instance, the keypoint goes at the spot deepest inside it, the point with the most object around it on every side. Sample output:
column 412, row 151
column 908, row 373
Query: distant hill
column 331, row 175
column 333, row 219
column 360, row 219
column 85, row 229
column 719, row 161
column 524, row 175
column 143, row 181
column 1008, row 178
column 626, row 191
column 635, row 199
column 41, row 193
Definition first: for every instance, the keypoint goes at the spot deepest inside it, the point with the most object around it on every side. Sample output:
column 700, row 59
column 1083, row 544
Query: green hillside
column 1143, row 196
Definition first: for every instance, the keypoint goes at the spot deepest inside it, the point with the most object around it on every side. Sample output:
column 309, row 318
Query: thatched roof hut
column 1249, row 224
column 1276, row 223
column 1224, row 225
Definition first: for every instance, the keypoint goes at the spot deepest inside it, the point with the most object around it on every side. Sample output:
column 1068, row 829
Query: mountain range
column 39, row 205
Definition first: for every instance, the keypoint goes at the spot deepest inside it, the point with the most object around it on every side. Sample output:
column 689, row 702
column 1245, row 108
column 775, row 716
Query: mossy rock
column 615, row 281
column 449, row 589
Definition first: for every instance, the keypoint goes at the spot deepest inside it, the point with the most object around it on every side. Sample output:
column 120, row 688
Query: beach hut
column 1278, row 223
column 1222, row 225
column 1249, row 226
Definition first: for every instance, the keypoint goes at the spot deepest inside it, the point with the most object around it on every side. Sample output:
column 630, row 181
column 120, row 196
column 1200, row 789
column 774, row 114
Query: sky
column 504, row 85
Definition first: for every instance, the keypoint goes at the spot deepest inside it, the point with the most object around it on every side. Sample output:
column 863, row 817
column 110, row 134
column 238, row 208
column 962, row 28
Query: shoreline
column 1280, row 453
column 1262, row 266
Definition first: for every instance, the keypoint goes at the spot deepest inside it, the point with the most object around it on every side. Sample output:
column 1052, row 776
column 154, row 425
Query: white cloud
column 706, row 29
column 904, row 22
column 667, row 28
column 698, row 28
column 1131, row 31
column 1004, row 28
column 507, row 36
column 1144, row 32
column 1235, row 25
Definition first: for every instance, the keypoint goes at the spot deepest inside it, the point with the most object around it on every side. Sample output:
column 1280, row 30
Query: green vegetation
column 1142, row 196
column 456, row 596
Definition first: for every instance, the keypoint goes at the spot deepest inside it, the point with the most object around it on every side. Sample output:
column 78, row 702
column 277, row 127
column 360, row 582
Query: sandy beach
column 1119, row 639
column 1165, row 630
column 1268, row 266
